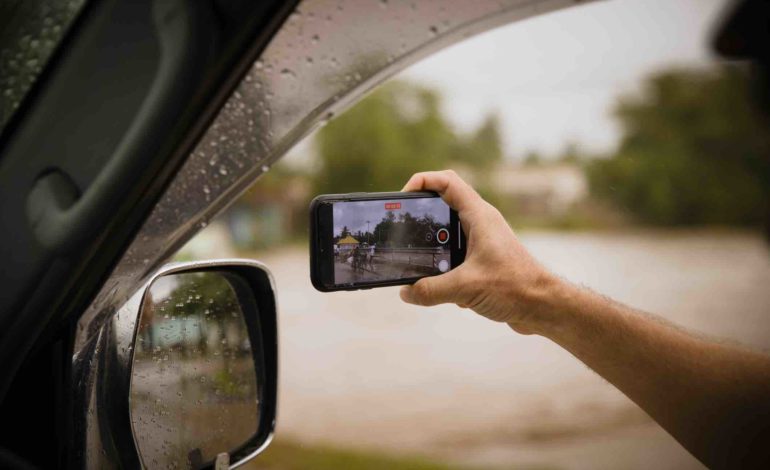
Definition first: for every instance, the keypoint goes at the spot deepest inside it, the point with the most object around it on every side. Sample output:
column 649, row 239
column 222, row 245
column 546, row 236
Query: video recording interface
column 390, row 240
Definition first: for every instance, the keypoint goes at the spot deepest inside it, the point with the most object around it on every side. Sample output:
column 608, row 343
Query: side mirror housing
column 186, row 371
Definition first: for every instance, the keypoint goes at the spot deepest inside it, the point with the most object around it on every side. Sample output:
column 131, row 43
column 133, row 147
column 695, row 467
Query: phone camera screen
column 381, row 240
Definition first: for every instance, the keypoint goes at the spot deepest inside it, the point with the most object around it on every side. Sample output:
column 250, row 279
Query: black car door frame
column 114, row 114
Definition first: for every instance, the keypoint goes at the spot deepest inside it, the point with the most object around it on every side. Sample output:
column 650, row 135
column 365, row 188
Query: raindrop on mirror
column 193, row 369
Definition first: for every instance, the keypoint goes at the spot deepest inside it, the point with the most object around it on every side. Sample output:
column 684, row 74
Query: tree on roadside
column 693, row 152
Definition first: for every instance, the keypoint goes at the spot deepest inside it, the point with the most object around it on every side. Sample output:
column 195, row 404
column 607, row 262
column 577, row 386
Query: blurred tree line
column 394, row 132
column 693, row 152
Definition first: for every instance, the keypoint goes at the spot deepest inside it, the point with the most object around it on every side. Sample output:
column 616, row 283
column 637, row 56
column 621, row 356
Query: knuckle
column 421, row 292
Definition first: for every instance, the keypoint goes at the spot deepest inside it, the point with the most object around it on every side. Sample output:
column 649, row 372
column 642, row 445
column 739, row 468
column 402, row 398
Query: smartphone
column 365, row 240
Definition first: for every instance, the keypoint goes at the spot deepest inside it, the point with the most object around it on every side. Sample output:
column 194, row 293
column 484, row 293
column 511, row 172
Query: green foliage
column 406, row 229
column 394, row 132
column 483, row 149
column 200, row 295
column 693, row 152
column 226, row 383
column 289, row 456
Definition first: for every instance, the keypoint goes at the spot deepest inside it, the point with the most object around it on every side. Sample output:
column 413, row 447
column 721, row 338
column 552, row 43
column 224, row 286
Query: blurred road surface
column 362, row 369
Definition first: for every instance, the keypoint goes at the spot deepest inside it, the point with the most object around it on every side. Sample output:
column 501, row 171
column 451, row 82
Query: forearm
column 713, row 398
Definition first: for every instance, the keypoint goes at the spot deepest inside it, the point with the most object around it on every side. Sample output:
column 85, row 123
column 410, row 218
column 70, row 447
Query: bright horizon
column 554, row 78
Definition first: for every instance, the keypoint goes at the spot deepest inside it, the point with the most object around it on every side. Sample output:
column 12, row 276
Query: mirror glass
column 194, row 390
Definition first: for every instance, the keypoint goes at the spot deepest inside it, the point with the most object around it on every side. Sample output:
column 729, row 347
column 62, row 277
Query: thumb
column 430, row 291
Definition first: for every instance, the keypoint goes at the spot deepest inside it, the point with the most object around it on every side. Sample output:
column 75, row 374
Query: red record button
column 442, row 236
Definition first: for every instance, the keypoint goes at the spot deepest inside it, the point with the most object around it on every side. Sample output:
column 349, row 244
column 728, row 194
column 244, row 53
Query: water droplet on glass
column 222, row 170
column 206, row 189
column 265, row 168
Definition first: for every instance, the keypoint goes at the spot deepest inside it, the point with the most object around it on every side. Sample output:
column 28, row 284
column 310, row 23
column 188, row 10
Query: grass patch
column 288, row 455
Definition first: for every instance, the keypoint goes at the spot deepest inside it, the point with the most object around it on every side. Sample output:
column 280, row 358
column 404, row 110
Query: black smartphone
column 365, row 240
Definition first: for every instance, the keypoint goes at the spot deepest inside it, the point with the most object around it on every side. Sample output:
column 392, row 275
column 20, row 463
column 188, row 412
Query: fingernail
column 406, row 294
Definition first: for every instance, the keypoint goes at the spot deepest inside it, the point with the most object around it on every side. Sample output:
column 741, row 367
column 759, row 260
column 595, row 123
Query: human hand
column 499, row 279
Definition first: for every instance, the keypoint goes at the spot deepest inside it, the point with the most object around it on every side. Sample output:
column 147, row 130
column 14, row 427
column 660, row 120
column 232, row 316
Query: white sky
column 554, row 78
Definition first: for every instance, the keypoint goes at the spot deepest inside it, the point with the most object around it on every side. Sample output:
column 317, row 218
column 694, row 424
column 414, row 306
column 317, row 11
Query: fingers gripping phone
column 365, row 240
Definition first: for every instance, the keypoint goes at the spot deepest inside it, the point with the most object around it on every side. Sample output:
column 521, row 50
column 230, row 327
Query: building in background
column 540, row 190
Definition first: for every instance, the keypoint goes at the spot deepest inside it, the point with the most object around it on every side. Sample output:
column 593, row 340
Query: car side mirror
column 196, row 355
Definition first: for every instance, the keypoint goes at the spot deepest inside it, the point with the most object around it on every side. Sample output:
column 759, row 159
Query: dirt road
column 363, row 369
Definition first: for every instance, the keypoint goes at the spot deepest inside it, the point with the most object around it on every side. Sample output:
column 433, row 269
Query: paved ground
column 177, row 405
column 363, row 369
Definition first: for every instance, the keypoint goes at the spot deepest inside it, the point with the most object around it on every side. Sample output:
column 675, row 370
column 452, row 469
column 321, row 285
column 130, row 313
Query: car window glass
column 30, row 30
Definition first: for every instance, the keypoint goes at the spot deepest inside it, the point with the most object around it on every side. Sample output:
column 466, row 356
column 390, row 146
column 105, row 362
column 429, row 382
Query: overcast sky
column 355, row 214
column 554, row 78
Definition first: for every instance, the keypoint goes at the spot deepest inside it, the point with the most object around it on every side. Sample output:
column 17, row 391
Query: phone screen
column 390, row 240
